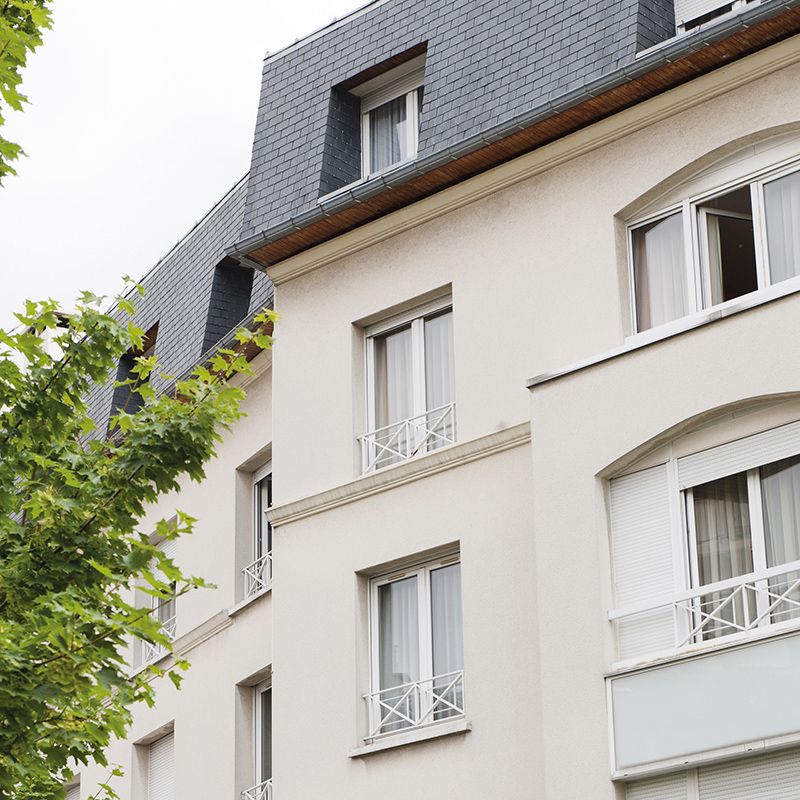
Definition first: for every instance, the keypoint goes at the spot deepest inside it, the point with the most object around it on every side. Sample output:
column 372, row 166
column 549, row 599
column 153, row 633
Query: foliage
column 22, row 24
column 70, row 551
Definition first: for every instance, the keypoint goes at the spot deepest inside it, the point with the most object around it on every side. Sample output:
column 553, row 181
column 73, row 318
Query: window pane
column 780, row 496
column 387, row 134
column 447, row 634
column 722, row 527
column 731, row 246
column 659, row 272
column 263, row 530
column 393, row 379
column 398, row 638
column 265, row 735
column 439, row 379
column 782, row 203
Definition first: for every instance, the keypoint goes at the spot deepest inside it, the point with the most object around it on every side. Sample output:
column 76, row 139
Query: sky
column 141, row 117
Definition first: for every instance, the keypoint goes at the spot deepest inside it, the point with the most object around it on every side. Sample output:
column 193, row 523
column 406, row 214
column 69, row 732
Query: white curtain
column 394, row 399
column 439, row 377
column 398, row 638
column 782, row 203
column 780, row 499
column 722, row 526
column 447, row 633
column 387, row 134
column 659, row 272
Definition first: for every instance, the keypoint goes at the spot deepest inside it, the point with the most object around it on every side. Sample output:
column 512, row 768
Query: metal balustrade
column 726, row 608
column 257, row 575
column 261, row 791
column 151, row 651
column 416, row 704
column 408, row 437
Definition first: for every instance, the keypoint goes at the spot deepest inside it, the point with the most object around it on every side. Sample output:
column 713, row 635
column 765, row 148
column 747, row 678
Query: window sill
column 394, row 740
column 700, row 319
column 249, row 601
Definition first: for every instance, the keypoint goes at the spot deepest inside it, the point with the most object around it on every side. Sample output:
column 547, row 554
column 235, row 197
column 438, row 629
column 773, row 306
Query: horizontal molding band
column 400, row 474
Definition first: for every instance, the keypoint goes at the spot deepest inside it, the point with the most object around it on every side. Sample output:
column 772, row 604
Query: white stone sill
column 394, row 740
column 249, row 601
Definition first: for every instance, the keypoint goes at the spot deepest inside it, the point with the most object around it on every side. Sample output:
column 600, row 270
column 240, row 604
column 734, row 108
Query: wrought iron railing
column 416, row 704
column 261, row 791
column 409, row 437
column 734, row 606
column 152, row 651
column 257, row 575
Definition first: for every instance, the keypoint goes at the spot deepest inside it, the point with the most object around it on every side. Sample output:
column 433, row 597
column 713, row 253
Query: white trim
column 436, row 731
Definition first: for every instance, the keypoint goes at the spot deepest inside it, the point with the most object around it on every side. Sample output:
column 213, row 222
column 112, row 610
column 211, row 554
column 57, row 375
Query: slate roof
column 487, row 61
column 178, row 295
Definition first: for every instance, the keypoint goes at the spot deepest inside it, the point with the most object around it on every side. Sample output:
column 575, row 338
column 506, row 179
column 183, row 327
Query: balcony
column 728, row 610
column 415, row 705
column 262, row 791
column 257, row 575
column 408, row 438
column 152, row 651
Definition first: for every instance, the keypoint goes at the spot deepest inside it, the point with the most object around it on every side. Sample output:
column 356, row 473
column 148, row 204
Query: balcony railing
column 416, row 704
column 409, row 437
column 257, row 575
column 151, row 651
column 726, row 608
column 262, row 791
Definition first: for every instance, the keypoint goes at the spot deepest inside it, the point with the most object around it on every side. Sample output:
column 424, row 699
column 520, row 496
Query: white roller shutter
column 641, row 543
column 161, row 769
column 74, row 792
column 733, row 457
column 772, row 777
column 169, row 547
column 666, row 787
column 687, row 10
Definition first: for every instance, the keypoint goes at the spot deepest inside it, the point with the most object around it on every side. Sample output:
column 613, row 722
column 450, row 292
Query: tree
column 70, row 551
column 22, row 24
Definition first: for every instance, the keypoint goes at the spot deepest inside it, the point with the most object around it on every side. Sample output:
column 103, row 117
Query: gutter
column 658, row 56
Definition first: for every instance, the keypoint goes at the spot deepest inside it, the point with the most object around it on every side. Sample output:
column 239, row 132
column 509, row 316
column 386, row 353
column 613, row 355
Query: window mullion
column 418, row 365
column 694, row 276
column 759, row 545
column 425, row 628
column 760, row 233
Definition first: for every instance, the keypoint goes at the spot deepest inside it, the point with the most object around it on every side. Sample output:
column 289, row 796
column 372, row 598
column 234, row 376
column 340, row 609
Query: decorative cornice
column 401, row 474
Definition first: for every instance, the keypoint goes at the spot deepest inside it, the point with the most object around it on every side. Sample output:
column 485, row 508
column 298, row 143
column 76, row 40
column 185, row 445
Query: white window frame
column 383, row 90
column 422, row 571
column 257, row 538
column 258, row 690
column 698, row 279
column 416, row 317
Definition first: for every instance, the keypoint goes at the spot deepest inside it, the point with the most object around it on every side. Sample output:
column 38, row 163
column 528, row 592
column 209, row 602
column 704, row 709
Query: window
column 410, row 386
column 417, row 648
column 125, row 397
column 390, row 110
column 164, row 611
column 691, row 14
column 262, row 790
column 715, row 248
column 258, row 574
column 745, row 524
column 161, row 769
column 73, row 792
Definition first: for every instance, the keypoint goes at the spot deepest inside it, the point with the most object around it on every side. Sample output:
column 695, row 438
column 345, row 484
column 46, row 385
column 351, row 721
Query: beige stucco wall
column 538, row 279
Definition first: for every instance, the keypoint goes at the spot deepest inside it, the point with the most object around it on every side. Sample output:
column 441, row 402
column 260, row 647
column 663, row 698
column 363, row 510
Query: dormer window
column 390, row 108
column 692, row 14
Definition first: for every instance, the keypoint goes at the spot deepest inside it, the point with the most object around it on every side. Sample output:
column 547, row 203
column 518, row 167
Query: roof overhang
column 662, row 68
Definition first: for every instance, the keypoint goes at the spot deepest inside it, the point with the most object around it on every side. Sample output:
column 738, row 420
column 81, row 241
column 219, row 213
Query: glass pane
column 659, row 272
column 265, row 736
column 398, row 653
column 724, row 550
column 263, row 530
column 780, row 499
column 782, row 204
column 393, row 379
column 447, row 634
column 731, row 245
column 439, row 379
column 387, row 134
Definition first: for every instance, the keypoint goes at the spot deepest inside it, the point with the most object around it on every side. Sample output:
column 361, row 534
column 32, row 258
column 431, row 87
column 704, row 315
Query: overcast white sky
column 141, row 117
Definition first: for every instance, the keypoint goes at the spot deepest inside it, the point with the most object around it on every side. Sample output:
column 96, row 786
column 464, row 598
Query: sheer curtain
column 387, row 134
column 447, row 633
column 394, row 391
column 724, row 550
column 780, row 499
column 659, row 272
column 439, row 376
column 782, row 204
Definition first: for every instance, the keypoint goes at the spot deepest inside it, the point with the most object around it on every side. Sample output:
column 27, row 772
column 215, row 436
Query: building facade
column 438, row 576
